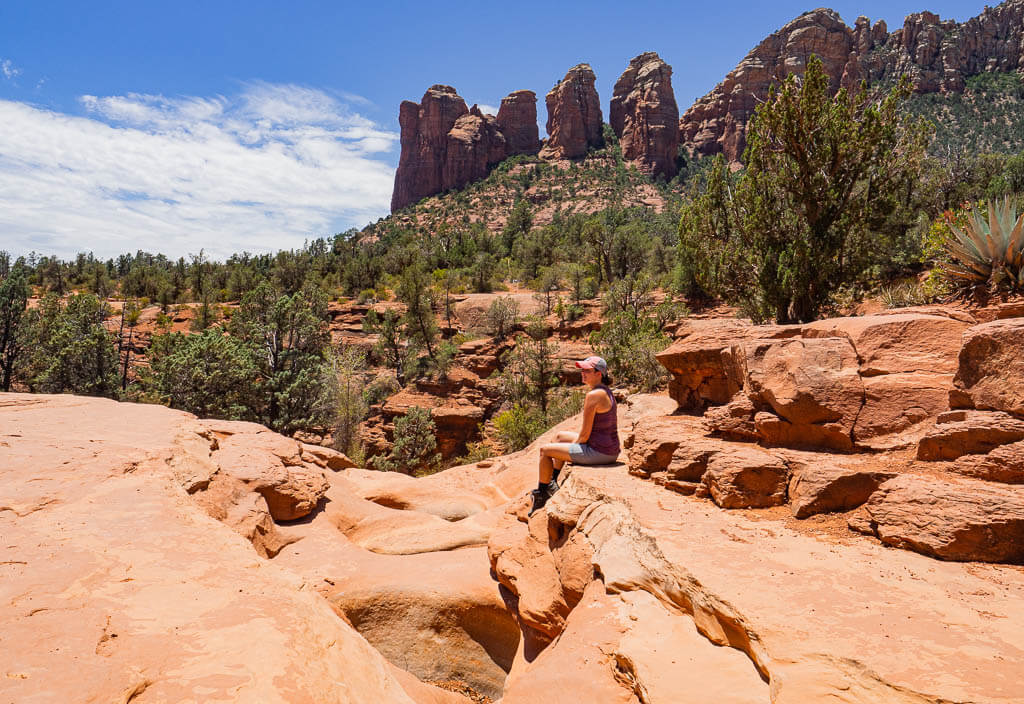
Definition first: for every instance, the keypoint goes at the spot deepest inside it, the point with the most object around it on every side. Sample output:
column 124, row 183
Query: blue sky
column 253, row 126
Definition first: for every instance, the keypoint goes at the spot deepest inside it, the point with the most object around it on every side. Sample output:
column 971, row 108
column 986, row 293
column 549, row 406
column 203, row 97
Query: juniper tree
column 14, row 293
column 823, row 175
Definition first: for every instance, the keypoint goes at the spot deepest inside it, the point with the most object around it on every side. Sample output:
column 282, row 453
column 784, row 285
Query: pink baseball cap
column 593, row 362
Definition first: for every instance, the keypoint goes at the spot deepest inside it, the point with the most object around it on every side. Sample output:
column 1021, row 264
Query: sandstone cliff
column 574, row 121
column 446, row 146
column 936, row 55
column 517, row 119
column 644, row 115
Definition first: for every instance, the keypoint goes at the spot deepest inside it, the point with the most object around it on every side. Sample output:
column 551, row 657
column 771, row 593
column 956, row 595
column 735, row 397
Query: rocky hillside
column 939, row 56
column 446, row 145
column 823, row 512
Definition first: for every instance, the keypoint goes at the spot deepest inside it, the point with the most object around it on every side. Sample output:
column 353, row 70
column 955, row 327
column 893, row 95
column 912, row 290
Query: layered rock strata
column 575, row 122
column 644, row 115
column 445, row 145
column 937, row 55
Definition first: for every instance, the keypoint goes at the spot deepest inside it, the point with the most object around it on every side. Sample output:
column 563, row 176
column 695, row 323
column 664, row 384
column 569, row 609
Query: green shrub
column 412, row 451
column 519, row 426
column 501, row 317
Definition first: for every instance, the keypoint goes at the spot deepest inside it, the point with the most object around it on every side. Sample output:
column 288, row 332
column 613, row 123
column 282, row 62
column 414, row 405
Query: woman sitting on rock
column 597, row 441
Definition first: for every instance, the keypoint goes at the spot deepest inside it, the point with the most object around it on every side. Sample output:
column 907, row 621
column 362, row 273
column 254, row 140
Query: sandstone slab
column 944, row 631
column 898, row 343
column 952, row 520
column 114, row 578
column 959, row 433
column 807, row 391
column 746, row 478
column 1003, row 464
column 822, row 486
column 899, row 407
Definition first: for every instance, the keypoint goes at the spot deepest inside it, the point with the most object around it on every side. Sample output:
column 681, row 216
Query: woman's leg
column 550, row 454
column 566, row 437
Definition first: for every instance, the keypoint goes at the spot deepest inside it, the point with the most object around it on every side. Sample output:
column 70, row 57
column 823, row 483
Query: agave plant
column 987, row 255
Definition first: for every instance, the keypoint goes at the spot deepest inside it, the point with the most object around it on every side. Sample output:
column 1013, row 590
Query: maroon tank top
column 604, row 433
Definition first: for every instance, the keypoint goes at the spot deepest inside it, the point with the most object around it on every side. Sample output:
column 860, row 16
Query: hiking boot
column 552, row 488
column 539, row 499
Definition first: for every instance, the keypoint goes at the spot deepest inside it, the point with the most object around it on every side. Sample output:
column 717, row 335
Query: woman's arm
column 590, row 407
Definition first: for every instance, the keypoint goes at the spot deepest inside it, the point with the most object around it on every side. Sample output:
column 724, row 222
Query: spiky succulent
column 987, row 255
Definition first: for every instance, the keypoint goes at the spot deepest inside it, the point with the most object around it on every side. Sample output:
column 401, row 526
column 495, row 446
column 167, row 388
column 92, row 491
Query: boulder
column 959, row 433
column 517, row 120
column 808, row 392
column 472, row 309
column 820, row 485
column 644, row 115
column 696, row 361
column 733, row 420
column 1003, row 464
column 574, row 121
column 746, row 478
column 263, row 461
column 962, row 520
column 898, row 343
column 990, row 375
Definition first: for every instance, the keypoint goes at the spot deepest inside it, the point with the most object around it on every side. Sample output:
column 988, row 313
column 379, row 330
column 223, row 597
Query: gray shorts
column 585, row 454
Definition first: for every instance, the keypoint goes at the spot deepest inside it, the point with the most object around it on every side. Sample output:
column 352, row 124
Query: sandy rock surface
column 804, row 619
column 117, row 586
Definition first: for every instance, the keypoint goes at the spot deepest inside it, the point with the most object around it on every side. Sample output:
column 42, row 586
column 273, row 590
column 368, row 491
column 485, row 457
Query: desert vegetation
column 842, row 197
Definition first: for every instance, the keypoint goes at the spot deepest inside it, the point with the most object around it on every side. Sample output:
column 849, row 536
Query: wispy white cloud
column 487, row 109
column 9, row 70
column 259, row 171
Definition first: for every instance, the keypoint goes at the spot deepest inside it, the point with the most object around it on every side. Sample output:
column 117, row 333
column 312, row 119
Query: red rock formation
column 574, row 116
column 424, row 140
column 517, row 120
column 937, row 55
column 474, row 145
column 717, row 122
column 446, row 146
column 645, row 117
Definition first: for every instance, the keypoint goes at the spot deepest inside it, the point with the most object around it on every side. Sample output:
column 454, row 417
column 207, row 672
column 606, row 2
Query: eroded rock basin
column 144, row 564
